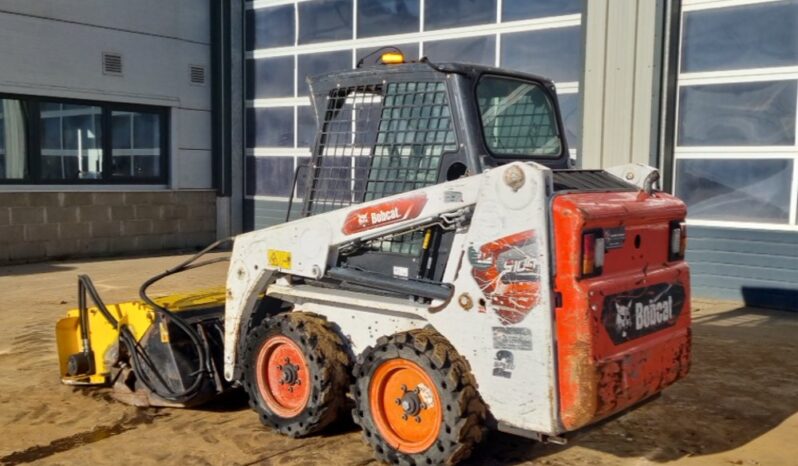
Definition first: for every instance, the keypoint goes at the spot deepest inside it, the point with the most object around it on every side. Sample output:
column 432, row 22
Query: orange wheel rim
column 405, row 405
column 283, row 376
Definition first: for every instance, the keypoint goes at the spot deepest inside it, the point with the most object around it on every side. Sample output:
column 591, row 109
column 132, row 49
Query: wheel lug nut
column 404, row 417
column 398, row 401
column 279, row 367
column 418, row 419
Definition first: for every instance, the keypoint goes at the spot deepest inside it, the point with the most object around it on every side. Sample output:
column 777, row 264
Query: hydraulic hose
column 139, row 355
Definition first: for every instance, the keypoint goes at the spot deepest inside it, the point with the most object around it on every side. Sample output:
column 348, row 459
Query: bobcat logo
column 623, row 317
column 636, row 313
column 362, row 219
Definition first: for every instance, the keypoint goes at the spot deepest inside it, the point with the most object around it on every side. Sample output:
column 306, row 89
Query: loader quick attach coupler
column 166, row 363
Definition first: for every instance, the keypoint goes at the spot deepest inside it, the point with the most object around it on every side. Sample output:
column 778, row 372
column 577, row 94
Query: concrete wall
column 57, row 225
column 621, row 84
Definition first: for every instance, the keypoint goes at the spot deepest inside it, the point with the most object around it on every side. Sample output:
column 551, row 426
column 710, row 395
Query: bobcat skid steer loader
column 441, row 271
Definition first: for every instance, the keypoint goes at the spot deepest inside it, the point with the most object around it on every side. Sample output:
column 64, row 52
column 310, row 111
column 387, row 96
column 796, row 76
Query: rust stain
column 584, row 378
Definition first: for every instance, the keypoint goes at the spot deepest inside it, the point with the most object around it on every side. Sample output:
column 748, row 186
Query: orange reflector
column 392, row 58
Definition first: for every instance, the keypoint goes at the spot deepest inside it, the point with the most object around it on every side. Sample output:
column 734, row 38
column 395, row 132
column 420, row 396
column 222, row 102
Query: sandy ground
column 737, row 407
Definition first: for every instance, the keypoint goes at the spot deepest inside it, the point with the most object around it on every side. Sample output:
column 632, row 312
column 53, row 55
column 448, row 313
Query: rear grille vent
column 196, row 74
column 112, row 63
column 589, row 180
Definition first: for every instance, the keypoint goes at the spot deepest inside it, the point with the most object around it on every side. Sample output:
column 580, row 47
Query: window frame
column 754, row 152
column 33, row 157
column 553, row 99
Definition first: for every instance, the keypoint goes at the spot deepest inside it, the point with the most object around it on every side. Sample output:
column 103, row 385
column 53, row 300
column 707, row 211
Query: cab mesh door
column 378, row 140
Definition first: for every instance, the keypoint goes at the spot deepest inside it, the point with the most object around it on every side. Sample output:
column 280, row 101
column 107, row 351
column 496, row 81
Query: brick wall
column 38, row 226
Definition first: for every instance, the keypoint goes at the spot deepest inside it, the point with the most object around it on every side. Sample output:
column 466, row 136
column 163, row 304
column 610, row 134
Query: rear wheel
column 416, row 400
column 296, row 373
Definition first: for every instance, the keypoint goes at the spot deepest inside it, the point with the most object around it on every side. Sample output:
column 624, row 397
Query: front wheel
column 416, row 400
column 296, row 373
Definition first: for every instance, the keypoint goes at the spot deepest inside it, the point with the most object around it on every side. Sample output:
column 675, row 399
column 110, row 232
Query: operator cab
column 454, row 118
column 400, row 126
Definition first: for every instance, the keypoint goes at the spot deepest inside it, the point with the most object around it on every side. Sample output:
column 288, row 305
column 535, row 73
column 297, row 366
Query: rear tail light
column 678, row 240
column 592, row 253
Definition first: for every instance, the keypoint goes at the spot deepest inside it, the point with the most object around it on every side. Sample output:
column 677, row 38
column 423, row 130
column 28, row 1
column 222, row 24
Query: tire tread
column 464, row 424
column 327, row 359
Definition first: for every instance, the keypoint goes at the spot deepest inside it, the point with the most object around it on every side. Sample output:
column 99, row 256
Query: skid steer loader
column 443, row 271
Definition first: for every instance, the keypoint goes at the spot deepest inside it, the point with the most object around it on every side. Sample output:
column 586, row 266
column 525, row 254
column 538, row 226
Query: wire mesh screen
column 379, row 140
column 415, row 130
column 340, row 165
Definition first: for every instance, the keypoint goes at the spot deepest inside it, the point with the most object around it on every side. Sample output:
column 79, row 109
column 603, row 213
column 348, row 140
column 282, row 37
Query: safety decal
column 503, row 364
column 633, row 314
column 279, row 259
column 614, row 237
column 384, row 213
column 507, row 272
column 512, row 338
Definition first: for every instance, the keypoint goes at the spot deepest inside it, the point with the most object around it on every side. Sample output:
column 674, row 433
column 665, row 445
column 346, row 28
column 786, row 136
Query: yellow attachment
column 104, row 338
column 392, row 58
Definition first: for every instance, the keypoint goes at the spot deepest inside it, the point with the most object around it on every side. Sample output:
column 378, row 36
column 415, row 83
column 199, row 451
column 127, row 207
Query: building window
column 478, row 50
column 557, row 52
column 324, row 20
column 738, row 114
column 383, row 17
column 71, row 142
column 736, row 153
column 136, row 139
column 457, row 13
column 525, row 9
column 13, row 140
column 49, row 141
column 271, row 27
column 746, row 190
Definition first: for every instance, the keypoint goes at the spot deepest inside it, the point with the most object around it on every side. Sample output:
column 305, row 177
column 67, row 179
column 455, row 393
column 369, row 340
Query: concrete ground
column 737, row 407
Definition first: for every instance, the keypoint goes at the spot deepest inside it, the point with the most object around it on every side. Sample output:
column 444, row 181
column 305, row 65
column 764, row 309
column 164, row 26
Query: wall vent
column 112, row 63
column 196, row 74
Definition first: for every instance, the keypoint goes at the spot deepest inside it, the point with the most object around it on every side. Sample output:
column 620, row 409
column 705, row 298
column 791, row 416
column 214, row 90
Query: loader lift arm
column 310, row 248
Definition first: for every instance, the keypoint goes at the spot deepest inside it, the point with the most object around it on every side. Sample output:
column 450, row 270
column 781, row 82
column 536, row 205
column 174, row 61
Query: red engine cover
column 623, row 335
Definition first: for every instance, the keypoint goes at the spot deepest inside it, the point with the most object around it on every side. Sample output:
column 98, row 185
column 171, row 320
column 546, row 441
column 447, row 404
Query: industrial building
column 142, row 126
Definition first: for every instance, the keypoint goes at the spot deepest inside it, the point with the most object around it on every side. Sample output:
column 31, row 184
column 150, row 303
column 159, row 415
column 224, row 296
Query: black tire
column 463, row 411
column 328, row 366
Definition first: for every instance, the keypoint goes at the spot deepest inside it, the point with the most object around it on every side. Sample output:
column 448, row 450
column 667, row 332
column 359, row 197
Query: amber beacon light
column 392, row 58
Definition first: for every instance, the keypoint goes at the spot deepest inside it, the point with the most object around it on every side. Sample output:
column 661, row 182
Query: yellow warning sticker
column 281, row 259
